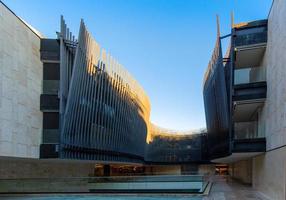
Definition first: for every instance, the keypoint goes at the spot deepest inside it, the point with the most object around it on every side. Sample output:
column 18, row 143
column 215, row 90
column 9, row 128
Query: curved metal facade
column 169, row 146
column 216, row 104
column 107, row 112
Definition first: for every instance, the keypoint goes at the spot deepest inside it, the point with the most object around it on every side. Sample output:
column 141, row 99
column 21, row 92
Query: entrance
column 221, row 169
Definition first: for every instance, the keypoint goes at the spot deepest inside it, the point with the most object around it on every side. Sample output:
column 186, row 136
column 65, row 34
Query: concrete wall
column 269, row 174
column 242, row 171
column 34, row 168
column 163, row 169
column 20, row 88
column 207, row 169
column 269, row 169
column 34, row 175
column 274, row 111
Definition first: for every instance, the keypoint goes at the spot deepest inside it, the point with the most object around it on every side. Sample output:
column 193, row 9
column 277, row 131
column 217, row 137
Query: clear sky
column 165, row 44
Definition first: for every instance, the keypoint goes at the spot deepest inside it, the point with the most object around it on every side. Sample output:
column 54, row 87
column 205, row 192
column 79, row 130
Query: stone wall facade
column 269, row 169
column 242, row 171
column 34, row 175
column 274, row 110
column 34, row 168
column 20, row 88
column 269, row 174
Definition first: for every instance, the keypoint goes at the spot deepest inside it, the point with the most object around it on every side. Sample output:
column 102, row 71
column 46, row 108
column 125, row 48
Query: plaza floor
column 224, row 188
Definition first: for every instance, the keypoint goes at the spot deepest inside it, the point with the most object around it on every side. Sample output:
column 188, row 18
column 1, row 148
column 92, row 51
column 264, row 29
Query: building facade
column 216, row 104
column 254, row 72
column 66, row 98
column 83, row 104
column 235, row 90
column 20, row 86
column 175, row 147
column 107, row 112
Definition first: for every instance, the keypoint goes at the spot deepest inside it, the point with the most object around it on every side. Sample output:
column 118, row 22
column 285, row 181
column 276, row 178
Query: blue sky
column 165, row 44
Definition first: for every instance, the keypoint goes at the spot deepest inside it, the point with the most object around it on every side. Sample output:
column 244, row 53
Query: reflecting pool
column 104, row 197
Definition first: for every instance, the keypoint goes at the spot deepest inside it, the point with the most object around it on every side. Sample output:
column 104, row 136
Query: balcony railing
column 248, row 130
column 251, row 36
column 249, row 75
column 102, row 184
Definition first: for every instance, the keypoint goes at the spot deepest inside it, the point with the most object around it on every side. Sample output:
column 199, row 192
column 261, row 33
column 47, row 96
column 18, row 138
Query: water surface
column 97, row 197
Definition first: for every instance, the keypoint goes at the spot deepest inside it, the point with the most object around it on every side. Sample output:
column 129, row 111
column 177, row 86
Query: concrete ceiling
column 246, row 111
column 249, row 57
column 236, row 157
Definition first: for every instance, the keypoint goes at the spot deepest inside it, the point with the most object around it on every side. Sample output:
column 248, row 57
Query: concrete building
column 66, row 104
column 252, row 77
column 20, row 86
column 66, row 100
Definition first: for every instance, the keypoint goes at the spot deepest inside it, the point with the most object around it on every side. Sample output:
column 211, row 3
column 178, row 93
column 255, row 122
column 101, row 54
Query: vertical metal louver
column 107, row 111
column 216, row 103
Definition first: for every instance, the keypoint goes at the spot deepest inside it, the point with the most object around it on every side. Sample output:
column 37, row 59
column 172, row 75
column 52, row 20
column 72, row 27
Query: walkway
column 224, row 189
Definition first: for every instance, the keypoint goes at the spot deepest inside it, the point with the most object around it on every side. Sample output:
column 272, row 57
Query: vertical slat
column 100, row 86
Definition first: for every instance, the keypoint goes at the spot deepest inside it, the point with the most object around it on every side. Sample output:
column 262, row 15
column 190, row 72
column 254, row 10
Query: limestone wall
column 20, row 88
column 274, row 111
column 34, row 175
column 269, row 170
column 242, row 171
column 35, row 168
column 269, row 174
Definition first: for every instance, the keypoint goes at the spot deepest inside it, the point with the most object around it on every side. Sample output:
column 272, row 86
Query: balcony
column 251, row 37
column 50, row 50
column 249, row 46
column 249, row 141
column 248, row 99
column 249, row 137
column 248, row 130
column 249, row 75
column 249, row 85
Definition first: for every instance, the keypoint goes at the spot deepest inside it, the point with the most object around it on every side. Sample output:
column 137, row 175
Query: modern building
column 170, row 146
column 66, row 100
column 69, row 109
column 93, row 109
column 234, row 92
column 245, row 102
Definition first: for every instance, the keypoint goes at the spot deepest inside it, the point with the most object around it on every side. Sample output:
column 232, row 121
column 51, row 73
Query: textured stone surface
column 35, row 168
column 227, row 189
column 20, row 88
column 242, row 171
column 269, row 170
column 274, row 111
column 269, row 173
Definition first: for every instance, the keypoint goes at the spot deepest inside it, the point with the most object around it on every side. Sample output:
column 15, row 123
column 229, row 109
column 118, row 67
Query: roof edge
column 36, row 32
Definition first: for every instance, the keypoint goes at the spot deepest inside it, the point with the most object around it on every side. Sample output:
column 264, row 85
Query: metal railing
column 249, row 75
column 248, row 130
column 155, row 183
column 250, row 39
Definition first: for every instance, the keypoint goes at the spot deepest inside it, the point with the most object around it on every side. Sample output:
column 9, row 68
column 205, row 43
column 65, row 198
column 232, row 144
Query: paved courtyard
column 224, row 188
